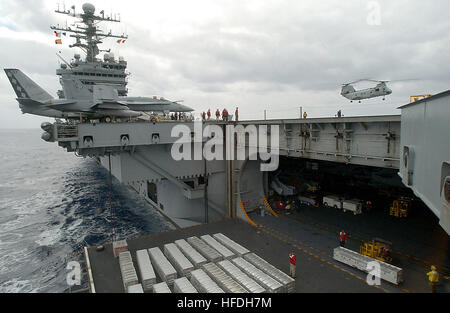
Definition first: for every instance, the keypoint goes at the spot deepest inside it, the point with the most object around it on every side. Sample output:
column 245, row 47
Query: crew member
column 209, row 114
column 225, row 115
column 433, row 277
column 305, row 115
column 203, row 115
column 280, row 205
column 339, row 113
column 293, row 264
column 368, row 205
column 236, row 114
column 342, row 238
column 217, row 114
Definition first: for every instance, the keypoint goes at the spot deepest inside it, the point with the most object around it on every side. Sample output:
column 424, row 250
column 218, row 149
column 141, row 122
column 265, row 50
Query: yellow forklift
column 400, row 207
column 377, row 248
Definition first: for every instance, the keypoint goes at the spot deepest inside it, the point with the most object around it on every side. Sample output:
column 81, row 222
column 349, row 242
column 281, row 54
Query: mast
column 86, row 33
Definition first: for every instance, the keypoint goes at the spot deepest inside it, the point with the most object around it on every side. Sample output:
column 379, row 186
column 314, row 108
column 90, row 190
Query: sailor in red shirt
column 225, row 115
column 368, row 205
column 342, row 238
column 293, row 263
column 279, row 205
column 208, row 114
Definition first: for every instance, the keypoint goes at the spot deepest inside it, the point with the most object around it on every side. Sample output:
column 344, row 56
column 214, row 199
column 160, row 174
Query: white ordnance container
column 127, row 270
column 193, row 255
column 203, row 283
column 178, row 260
column 206, row 250
column 225, row 281
column 161, row 288
column 287, row 281
column 148, row 276
column 269, row 283
column 230, row 244
column 249, row 283
column 224, row 251
column 183, row 285
column 388, row 272
column 135, row 289
column 163, row 268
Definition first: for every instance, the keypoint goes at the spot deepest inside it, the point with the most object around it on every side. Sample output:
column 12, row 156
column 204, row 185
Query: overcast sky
column 258, row 55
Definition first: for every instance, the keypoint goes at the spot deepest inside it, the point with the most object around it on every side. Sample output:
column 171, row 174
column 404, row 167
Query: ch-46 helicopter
column 381, row 89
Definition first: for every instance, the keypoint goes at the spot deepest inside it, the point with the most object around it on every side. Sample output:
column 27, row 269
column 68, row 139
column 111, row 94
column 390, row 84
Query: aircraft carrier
column 384, row 160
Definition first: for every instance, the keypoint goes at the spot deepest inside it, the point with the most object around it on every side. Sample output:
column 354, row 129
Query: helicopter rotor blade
column 356, row 81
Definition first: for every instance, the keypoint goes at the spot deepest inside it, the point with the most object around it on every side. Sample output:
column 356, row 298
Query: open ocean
column 52, row 203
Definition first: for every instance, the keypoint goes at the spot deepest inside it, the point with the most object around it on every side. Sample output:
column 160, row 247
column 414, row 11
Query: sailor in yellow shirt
column 433, row 277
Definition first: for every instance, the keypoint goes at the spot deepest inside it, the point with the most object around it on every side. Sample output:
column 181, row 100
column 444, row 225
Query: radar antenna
column 88, row 37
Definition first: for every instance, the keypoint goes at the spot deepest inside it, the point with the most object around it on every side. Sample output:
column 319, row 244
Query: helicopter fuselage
column 350, row 93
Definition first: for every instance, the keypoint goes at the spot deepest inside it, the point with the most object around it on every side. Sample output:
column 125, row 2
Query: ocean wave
column 52, row 204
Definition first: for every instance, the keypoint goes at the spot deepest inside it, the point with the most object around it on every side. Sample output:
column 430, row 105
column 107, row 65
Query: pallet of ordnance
column 224, row 251
column 196, row 258
column 206, row 250
column 183, row 285
column 178, row 260
column 249, row 283
column 269, row 283
column 161, row 288
column 230, row 244
column 203, row 283
column 135, row 289
column 165, row 270
column 225, row 281
column 287, row 281
column 129, row 276
column 388, row 272
column 148, row 276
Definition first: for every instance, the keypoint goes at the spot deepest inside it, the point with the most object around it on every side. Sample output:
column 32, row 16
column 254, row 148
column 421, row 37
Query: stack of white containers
column 148, row 277
column 129, row 276
column 230, row 244
column 165, row 270
column 207, row 251
column 161, row 288
column 262, row 278
column 196, row 258
column 203, row 283
column 224, row 280
column 178, row 260
column 183, row 285
column 135, row 289
column 224, row 251
column 287, row 281
column 232, row 270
